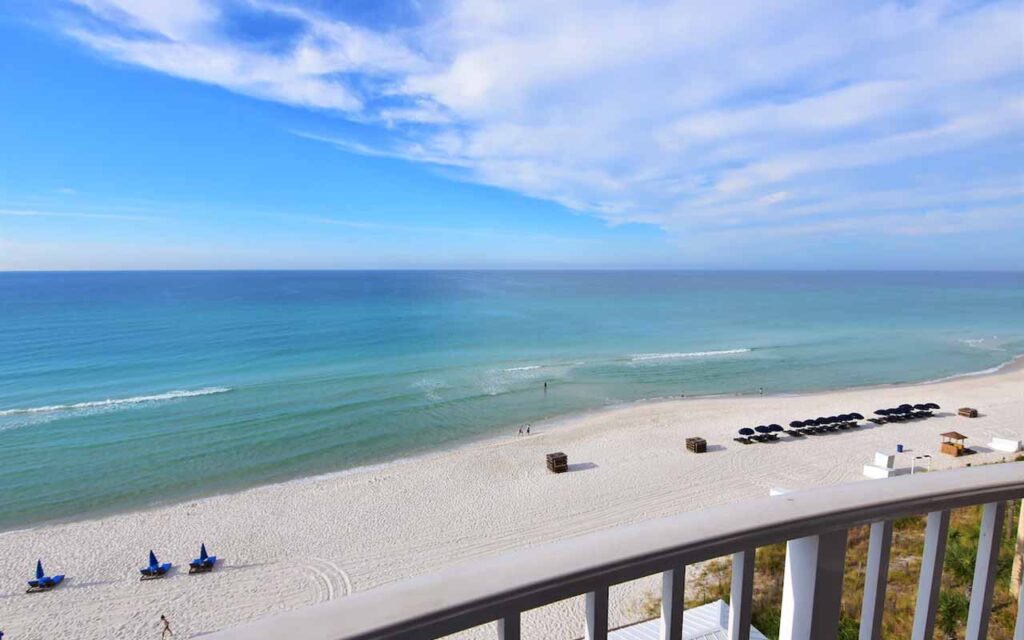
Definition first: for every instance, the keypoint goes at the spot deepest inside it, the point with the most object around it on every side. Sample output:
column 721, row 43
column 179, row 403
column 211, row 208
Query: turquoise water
column 119, row 390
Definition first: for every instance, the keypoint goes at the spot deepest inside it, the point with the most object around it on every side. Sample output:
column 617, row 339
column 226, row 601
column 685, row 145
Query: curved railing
column 813, row 522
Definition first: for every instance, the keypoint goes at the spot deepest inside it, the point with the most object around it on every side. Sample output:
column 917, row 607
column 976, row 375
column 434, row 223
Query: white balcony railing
column 813, row 522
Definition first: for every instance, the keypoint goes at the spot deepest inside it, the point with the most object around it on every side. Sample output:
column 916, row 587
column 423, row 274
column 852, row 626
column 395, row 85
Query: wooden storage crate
column 696, row 445
column 968, row 412
column 557, row 462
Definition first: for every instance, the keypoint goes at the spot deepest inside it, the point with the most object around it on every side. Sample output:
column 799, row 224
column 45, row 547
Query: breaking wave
column 640, row 357
column 100, row 404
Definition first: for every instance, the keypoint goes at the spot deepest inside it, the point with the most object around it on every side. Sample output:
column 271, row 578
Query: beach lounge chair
column 742, row 440
column 204, row 562
column 155, row 569
column 43, row 582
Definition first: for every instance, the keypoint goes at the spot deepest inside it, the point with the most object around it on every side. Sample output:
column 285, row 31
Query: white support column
column 931, row 575
column 509, row 627
column 673, row 595
column 597, row 614
column 813, row 587
column 875, row 580
column 741, row 595
column 1018, row 629
column 985, row 570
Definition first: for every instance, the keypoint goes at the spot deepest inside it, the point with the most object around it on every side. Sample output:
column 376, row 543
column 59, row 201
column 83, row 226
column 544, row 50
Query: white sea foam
column 531, row 367
column 110, row 403
column 692, row 354
column 982, row 343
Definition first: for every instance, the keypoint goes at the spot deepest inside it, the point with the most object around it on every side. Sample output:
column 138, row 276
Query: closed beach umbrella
column 746, row 431
column 39, row 569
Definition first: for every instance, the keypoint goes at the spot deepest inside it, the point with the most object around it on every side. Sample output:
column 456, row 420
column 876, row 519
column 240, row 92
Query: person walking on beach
column 166, row 631
column 520, row 431
column 527, row 429
column 760, row 390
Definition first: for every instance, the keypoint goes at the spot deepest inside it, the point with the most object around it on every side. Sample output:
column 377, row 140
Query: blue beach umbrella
column 796, row 424
column 746, row 431
column 856, row 416
column 776, row 427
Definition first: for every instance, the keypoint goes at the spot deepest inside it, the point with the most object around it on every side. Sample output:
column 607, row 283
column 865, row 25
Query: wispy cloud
column 36, row 213
column 693, row 115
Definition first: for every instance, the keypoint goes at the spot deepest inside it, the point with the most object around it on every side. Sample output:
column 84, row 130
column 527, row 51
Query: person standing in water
column 545, row 386
column 166, row 631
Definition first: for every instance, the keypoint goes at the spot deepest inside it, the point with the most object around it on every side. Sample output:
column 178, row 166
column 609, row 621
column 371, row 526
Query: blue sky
column 145, row 134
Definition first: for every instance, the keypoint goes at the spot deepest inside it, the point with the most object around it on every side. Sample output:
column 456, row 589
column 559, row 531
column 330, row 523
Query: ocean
column 122, row 390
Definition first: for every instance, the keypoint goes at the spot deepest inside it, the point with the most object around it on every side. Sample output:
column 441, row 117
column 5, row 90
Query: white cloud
column 689, row 114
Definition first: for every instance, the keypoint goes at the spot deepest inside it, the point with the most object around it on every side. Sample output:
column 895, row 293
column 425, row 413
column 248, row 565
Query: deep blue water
column 222, row 380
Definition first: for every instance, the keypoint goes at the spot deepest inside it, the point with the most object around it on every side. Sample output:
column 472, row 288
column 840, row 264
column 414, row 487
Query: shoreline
column 311, row 539
column 559, row 421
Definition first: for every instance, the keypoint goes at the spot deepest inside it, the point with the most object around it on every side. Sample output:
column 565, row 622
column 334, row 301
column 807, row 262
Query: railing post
column 1018, row 630
column 985, row 570
column 875, row 579
column 597, row 614
column 673, row 596
column 813, row 588
column 509, row 627
column 931, row 575
column 741, row 594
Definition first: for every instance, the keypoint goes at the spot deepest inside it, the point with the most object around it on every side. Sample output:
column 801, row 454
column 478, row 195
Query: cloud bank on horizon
column 728, row 119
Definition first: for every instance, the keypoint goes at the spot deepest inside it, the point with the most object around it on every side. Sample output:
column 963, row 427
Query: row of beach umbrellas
column 904, row 409
column 826, row 420
column 763, row 429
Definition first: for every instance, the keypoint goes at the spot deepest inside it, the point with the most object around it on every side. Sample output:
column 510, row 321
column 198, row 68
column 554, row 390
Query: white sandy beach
column 297, row 543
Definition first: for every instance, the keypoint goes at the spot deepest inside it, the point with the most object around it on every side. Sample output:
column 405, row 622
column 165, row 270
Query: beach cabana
column 43, row 582
column 155, row 569
column 953, row 443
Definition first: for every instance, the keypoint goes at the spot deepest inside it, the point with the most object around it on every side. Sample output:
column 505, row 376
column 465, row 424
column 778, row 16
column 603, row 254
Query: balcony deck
column 813, row 523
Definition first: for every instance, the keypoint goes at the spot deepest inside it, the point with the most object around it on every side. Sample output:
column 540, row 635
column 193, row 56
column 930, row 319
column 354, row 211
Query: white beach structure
column 1006, row 445
column 707, row 622
column 884, row 466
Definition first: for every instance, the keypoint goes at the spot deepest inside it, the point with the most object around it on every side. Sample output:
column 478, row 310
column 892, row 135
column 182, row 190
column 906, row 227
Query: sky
column 727, row 134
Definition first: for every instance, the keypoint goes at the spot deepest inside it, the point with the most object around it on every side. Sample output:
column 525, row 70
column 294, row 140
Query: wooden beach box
column 557, row 462
column 696, row 445
column 968, row 412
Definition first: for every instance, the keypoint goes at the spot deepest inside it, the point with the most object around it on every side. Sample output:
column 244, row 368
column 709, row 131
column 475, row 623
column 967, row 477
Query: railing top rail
column 482, row 590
